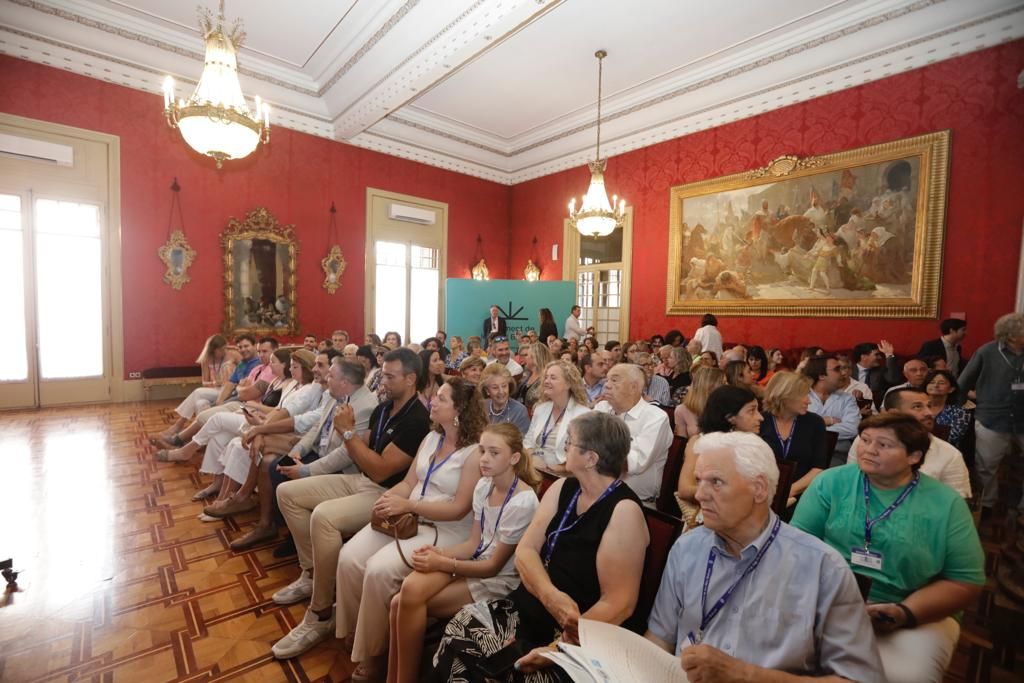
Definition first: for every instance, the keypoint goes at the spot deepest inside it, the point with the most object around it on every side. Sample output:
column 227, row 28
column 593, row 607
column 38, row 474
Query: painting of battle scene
column 805, row 232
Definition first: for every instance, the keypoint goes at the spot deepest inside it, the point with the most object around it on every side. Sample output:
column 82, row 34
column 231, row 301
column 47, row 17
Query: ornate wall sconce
column 532, row 271
column 480, row 270
column 177, row 255
column 334, row 263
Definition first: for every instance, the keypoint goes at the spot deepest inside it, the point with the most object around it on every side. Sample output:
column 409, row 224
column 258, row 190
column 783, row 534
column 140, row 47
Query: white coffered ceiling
column 506, row 89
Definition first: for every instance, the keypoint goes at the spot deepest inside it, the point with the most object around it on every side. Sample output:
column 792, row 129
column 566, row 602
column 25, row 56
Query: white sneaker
column 298, row 590
column 304, row 636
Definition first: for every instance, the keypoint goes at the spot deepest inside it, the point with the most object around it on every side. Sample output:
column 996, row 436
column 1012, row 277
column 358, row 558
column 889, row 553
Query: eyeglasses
column 569, row 443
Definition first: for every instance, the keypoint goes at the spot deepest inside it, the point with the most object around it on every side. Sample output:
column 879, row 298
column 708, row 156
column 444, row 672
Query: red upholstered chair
column 671, row 412
column 786, row 469
column 664, row 530
column 666, row 501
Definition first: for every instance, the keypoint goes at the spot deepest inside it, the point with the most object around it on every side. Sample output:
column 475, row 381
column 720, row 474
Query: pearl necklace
column 501, row 413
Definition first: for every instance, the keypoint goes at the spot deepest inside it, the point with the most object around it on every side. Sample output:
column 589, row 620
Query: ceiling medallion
column 597, row 216
column 216, row 120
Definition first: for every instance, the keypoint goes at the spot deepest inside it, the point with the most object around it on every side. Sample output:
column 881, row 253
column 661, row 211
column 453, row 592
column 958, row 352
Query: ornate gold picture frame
column 852, row 234
column 259, row 275
column 334, row 265
column 178, row 256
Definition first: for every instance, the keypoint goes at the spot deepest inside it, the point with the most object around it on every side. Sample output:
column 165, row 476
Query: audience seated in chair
column 582, row 556
column 479, row 568
column 438, row 488
column 563, row 398
column 793, row 433
column 837, row 408
column 495, row 387
column 220, row 370
column 745, row 560
column 912, row 535
column 648, row 427
column 943, row 394
column 321, row 510
column 942, row 461
column 728, row 408
column 687, row 413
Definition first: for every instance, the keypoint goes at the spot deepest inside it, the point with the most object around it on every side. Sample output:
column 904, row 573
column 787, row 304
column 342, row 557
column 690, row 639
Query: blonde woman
column 471, row 368
column 563, row 397
column 794, row 433
column 536, row 359
column 218, row 362
column 705, row 380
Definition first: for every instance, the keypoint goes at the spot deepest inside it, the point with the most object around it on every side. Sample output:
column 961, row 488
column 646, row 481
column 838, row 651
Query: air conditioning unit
column 37, row 150
column 411, row 214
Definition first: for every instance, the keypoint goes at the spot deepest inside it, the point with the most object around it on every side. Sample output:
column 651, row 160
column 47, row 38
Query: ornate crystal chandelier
column 597, row 217
column 216, row 120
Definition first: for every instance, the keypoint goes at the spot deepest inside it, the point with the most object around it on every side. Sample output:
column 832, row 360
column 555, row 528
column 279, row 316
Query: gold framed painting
column 857, row 233
column 259, row 275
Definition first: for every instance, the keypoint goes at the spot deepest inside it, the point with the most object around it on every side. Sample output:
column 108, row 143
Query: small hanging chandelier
column 596, row 216
column 216, row 120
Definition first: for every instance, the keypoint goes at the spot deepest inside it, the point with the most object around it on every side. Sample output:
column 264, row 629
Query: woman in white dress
column 563, row 397
column 439, row 489
column 480, row 568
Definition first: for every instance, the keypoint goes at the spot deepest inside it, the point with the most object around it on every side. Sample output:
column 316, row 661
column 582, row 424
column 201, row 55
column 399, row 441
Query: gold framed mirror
column 259, row 275
column 177, row 255
column 334, row 265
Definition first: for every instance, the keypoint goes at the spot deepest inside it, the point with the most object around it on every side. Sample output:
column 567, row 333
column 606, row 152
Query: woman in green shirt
column 912, row 535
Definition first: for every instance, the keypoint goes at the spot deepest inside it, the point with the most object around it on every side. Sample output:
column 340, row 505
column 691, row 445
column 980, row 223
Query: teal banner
column 468, row 304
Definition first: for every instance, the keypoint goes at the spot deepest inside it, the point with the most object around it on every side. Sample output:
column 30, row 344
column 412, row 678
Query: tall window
column 407, row 292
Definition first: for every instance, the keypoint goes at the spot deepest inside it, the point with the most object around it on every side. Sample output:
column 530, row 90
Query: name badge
column 862, row 557
column 1017, row 386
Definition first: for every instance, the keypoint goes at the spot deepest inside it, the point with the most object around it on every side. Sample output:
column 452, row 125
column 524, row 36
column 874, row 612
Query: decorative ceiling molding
column 397, row 77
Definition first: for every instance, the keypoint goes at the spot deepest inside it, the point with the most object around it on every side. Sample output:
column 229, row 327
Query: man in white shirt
column 648, row 425
column 942, row 461
column 573, row 327
column 502, row 353
column 837, row 408
column 915, row 371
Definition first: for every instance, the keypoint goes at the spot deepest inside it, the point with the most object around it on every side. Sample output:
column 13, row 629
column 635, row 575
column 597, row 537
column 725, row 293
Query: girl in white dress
column 482, row 567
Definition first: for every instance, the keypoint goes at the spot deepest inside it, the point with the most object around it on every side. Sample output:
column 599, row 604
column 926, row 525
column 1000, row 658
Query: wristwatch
column 347, row 434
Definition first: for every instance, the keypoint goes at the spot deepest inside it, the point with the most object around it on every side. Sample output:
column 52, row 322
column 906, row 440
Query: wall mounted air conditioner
column 411, row 214
column 37, row 150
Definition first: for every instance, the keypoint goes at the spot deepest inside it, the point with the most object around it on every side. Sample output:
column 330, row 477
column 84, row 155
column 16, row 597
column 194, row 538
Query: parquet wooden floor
column 120, row 581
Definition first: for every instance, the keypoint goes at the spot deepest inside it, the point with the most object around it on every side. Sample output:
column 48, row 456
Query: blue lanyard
column 434, row 465
column 480, row 548
column 708, row 615
column 786, row 443
column 547, row 432
column 384, row 422
column 870, row 523
column 552, row 540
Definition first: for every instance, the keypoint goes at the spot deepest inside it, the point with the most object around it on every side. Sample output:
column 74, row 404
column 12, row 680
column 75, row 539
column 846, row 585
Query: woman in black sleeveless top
column 582, row 556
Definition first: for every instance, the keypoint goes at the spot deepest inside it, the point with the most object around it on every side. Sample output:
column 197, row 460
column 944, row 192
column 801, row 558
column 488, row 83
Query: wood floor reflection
column 120, row 581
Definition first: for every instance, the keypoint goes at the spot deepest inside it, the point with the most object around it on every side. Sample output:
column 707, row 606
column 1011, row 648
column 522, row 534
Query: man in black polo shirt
column 321, row 510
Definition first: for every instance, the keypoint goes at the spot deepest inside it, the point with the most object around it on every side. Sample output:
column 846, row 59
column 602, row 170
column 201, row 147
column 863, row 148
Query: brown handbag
column 400, row 527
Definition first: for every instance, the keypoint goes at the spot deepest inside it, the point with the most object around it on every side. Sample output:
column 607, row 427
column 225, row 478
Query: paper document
column 612, row 654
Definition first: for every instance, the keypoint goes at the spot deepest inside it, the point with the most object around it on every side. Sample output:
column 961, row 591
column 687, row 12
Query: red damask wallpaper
column 975, row 96
column 296, row 177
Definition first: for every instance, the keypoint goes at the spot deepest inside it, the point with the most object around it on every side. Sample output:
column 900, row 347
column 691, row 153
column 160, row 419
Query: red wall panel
column 296, row 177
column 975, row 96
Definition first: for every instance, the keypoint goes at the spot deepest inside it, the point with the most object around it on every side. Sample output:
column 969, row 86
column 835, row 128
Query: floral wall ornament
column 480, row 271
column 531, row 272
column 177, row 254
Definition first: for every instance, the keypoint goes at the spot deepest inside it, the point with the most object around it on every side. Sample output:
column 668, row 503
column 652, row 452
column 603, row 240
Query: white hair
column 752, row 456
column 634, row 373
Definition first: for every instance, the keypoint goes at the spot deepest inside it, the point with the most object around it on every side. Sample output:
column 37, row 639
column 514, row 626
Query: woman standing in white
column 563, row 397
column 439, row 488
column 708, row 335
column 480, row 568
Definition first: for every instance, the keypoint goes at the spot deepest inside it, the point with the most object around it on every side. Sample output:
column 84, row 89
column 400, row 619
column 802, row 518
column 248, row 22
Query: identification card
column 1017, row 386
column 862, row 557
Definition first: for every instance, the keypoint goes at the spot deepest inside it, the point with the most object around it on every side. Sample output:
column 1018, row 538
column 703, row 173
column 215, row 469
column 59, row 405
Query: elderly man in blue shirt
column 747, row 597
